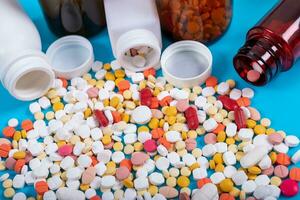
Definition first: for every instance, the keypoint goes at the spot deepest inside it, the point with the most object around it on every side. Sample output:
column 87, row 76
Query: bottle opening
column 251, row 70
column 32, row 84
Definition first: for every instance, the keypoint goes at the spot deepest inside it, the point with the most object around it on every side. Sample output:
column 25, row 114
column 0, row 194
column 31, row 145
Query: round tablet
column 141, row 115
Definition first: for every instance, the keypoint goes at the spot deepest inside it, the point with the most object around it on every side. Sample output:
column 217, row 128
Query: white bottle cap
column 137, row 38
column 186, row 63
column 70, row 56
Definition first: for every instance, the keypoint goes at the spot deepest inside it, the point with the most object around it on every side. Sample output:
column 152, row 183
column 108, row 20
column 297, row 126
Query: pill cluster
column 115, row 134
column 138, row 56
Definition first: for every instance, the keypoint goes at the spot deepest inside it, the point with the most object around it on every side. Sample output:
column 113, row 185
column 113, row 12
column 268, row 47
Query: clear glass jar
column 200, row 20
column 83, row 17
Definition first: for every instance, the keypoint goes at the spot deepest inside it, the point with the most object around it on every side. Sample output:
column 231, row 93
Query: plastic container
column 200, row 20
column 24, row 69
column 64, row 17
column 272, row 45
column 134, row 31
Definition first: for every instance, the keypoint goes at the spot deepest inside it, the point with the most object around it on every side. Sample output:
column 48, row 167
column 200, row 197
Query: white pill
column 83, row 131
column 109, row 85
column 199, row 173
column 261, row 192
column 162, row 163
column 174, row 158
column 229, row 158
column 97, row 65
column 209, row 150
column 13, row 122
column 210, row 125
column 49, row 195
column 235, row 94
column 291, row 141
column 118, row 156
column 245, row 134
column 96, row 183
column 54, row 182
column 223, row 88
column 221, row 147
column 173, row 136
column 137, row 77
column 163, row 151
column 262, row 140
column 296, row 157
column 231, row 129
column 130, row 138
column 265, row 163
column 217, row 177
column 208, row 91
column 239, row 177
column 203, row 162
column 104, row 156
column 4, row 176
column 141, row 115
column 34, row 107
column 144, row 136
column 229, row 171
column 262, row 180
column 108, row 181
column 100, row 168
column 253, row 157
column 19, row 181
column 19, row 196
column 130, row 194
column 65, row 193
column 107, row 195
column 156, row 178
column 141, row 183
column 248, row 92
column 281, row 148
column 208, row 192
column 89, row 193
column 249, row 186
column 139, row 61
column 188, row 159
column 67, row 162
column 84, row 161
column 29, row 178
column 44, row 102
column 115, row 65
column 200, row 101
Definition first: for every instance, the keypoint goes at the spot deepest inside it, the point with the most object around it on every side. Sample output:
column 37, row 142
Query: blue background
column 279, row 100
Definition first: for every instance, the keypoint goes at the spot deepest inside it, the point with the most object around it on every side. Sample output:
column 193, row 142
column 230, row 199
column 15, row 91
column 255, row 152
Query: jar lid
column 186, row 63
column 70, row 56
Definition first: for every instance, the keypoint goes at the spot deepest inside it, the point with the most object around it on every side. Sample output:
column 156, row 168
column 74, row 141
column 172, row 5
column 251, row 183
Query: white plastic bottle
column 24, row 69
column 134, row 31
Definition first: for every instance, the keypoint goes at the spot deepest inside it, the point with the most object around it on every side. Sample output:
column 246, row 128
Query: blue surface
column 277, row 101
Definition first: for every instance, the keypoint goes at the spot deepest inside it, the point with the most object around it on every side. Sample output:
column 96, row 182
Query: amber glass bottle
column 64, row 17
column 200, row 20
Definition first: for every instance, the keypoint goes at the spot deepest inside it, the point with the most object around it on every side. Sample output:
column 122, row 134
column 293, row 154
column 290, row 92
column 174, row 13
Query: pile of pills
column 138, row 56
column 108, row 136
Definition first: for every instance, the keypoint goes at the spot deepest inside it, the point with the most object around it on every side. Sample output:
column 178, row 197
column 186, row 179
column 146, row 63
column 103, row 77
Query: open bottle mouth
column 251, row 70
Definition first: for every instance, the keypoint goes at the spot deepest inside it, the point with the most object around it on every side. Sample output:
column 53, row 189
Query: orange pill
column 157, row 133
column 226, row 196
column 126, row 163
column 9, row 131
column 165, row 101
column 295, row 174
column 116, row 116
column 94, row 160
column 243, row 101
column 41, row 187
column 27, row 125
column 219, row 128
column 154, row 103
column 4, row 149
column 283, row 159
column 19, row 165
column 150, row 71
column 64, row 82
column 202, row 182
column 211, row 81
column 123, row 85
column 164, row 142
column 96, row 197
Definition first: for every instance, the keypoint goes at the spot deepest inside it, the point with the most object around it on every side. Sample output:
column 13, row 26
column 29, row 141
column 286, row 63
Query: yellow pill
column 275, row 180
column 212, row 164
column 119, row 73
column 251, row 176
column 270, row 131
column 192, row 134
column 171, row 181
column 226, row 185
column 161, row 123
column 183, row 181
column 138, row 146
column 127, row 94
column 50, row 115
column 154, row 123
column 171, row 120
column 230, row 141
column 129, row 149
column 221, row 136
column 171, row 111
column 251, row 123
column 100, row 84
column 87, row 113
column 17, row 136
column 107, row 66
column 58, row 106
column 273, row 156
column 39, row 116
column 110, row 168
column 106, row 139
column 7, row 183
column 118, row 146
column 235, row 192
column 156, row 91
column 114, row 101
column 218, row 158
column 19, row 155
column 197, row 152
column 185, row 171
column 259, row 129
column 239, row 155
column 125, row 117
column 128, row 183
column 242, row 195
column 52, row 94
column 30, row 198
column 110, row 76
column 174, row 172
column 219, row 168
column 92, row 82
column 143, row 129
column 60, row 143
column 254, row 170
column 2, row 166
column 153, row 190
column 9, row 192
column 84, row 187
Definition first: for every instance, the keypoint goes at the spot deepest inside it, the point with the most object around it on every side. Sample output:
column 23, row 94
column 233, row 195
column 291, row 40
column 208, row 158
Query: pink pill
column 10, row 163
column 289, row 188
column 122, row 173
column 281, row 171
column 93, row 92
column 4, row 141
column 139, row 158
column 275, row 138
column 28, row 157
column 210, row 138
column 182, row 105
column 110, row 145
column 253, row 75
column 150, row 146
column 65, row 150
column 269, row 171
column 88, row 175
column 190, row 144
column 157, row 113
column 254, row 114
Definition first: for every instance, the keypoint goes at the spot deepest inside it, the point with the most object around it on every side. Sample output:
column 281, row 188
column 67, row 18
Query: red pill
column 65, row 150
column 228, row 103
column 289, row 188
column 101, row 118
column 150, row 146
column 146, row 97
column 240, row 118
column 191, row 118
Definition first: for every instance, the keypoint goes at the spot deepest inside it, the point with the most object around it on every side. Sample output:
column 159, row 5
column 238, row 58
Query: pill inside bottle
column 139, row 56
